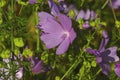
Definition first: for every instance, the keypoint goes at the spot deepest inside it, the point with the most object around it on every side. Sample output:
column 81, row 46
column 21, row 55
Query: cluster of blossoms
column 57, row 31
column 104, row 56
column 36, row 65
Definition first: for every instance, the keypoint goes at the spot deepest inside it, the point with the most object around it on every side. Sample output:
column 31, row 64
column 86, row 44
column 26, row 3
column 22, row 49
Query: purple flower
column 37, row 65
column 19, row 74
column 86, row 25
column 32, row 1
column 62, row 6
column 53, row 7
column 60, row 0
column 116, row 4
column 88, row 15
column 117, row 69
column 56, row 31
column 71, row 8
column 104, row 56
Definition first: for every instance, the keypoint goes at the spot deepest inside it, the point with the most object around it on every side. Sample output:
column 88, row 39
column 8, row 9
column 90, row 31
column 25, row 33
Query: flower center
column 66, row 33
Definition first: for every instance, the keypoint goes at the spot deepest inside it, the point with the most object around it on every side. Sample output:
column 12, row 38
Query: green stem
column 12, row 45
column 106, row 2
column 38, row 31
column 82, row 2
column 38, row 40
column 20, row 9
column 113, row 10
column 97, row 72
column 72, row 67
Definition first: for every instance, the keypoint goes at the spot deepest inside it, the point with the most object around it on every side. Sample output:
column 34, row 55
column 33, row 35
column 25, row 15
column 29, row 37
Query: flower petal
column 19, row 74
column 32, row 1
column 38, row 67
column 65, row 22
column 109, row 55
column 113, row 53
column 51, row 40
column 105, row 56
column 87, row 15
column 117, row 69
column 86, row 25
column 54, row 8
column 91, row 51
column 105, row 35
column 103, row 44
column 63, row 46
column 92, row 15
column 43, row 16
column 51, row 26
column 72, row 35
column 80, row 15
column 105, row 68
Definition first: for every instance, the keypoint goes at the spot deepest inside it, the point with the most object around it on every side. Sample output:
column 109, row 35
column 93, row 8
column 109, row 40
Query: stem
column 38, row 31
column 12, row 45
column 82, row 2
column 106, row 2
column 20, row 9
column 38, row 40
column 97, row 72
column 113, row 10
column 72, row 67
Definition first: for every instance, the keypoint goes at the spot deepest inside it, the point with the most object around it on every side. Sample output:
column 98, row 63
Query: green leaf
column 57, row 78
column 117, row 24
column 93, row 64
column 16, row 51
column 2, row 3
column 5, row 53
column 18, row 42
column 27, row 53
column 92, row 23
column 86, row 64
column 71, row 14
column 22, row 2
column 80, row 21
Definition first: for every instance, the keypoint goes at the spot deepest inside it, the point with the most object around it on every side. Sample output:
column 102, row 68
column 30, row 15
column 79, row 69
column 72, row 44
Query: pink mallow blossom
column 57, row 31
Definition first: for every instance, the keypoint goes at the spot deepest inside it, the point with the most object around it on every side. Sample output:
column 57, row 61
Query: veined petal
column 105, row 35
column 113, row 53
column 65, row 21
column 105, row 68
column 63, row 46
column 80, row 15
column 51, row 26
column 54, row 8
column 87, row 15
column 52, row 40
column 43, row 16
column 105, row 56
column 92, row 15
column 72, row 35
column 91, row 51
column 38, row 67
column 86, row 25
column 32, row 1
column 19, row 74
column 117, row 69
column 103, row 44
